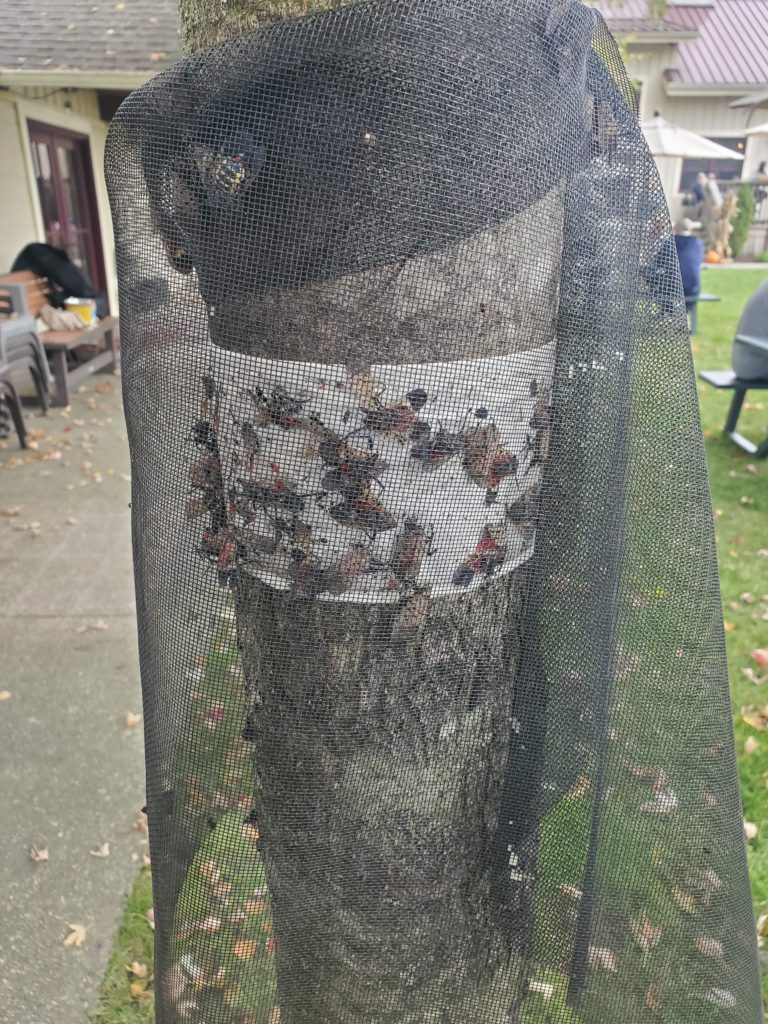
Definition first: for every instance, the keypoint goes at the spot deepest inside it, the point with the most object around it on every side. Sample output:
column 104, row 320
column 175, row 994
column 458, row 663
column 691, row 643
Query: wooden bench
column 726, row 380
column 28, row 293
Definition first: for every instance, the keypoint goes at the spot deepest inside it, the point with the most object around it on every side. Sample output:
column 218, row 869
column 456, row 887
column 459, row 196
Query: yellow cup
column 85, row 309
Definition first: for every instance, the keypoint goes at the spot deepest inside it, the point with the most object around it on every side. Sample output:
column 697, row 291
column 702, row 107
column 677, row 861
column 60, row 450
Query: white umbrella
column 759, row 129
column 667, row 139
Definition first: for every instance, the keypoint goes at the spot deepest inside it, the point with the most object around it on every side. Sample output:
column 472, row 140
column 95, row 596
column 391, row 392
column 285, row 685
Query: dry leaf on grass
column 684, row 900
column 757, row 719
column 76, row 937
column 103, row 851
column 653, row 996
column 151, row 918
column 710, row 947
column 760, row 655
column 750, row 745
column 604, row 958
column 750, row 830
column 132, row 720
column 274, row 1017
column 137, row 969
column 38, row 856
column 244, row 949
column 646, row 934
column 545, row 989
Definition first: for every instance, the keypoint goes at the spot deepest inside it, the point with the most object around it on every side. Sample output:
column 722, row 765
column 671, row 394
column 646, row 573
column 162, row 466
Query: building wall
column 20, row 216
column 706, row 115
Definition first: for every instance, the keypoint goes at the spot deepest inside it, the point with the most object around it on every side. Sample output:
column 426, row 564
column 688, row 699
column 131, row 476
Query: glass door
column 65, row 185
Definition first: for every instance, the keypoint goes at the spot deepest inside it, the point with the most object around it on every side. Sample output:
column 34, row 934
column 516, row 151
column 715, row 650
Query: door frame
column 33, row 126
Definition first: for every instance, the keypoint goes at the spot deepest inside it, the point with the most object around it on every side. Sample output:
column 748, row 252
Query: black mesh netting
column 438, row 728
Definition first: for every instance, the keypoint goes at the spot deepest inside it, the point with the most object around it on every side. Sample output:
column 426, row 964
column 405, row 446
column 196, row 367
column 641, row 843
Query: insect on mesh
column 437, row 715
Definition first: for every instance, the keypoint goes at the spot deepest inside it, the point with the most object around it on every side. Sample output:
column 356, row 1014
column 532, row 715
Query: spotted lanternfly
column 306, row 575
column 411, row 548
column 436, row 449
column 394, row 420
column 410, row 616
column 488, row 556
column 486, row 461
column 230, row 169
column 538, row 443
column 205, row 473
column 363, row 511
column 525, row 510
column 279, row 408
column 210, row 402
column 350, row 567
column 350, row 468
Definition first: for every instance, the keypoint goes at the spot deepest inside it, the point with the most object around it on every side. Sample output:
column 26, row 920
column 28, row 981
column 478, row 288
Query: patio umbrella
column 665, row 139
column 759, row 129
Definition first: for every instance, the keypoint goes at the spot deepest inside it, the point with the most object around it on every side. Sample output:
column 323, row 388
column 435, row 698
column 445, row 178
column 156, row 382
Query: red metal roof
column 732, row 47
column 732, row 43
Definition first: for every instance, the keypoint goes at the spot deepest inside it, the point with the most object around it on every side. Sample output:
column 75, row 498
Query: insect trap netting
column 438, row 726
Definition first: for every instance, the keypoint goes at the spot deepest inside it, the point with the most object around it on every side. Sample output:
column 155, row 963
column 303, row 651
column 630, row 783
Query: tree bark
column 379, row 763
column 207, row 22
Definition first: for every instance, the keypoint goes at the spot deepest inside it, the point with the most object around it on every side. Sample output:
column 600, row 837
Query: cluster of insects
column 258, row 515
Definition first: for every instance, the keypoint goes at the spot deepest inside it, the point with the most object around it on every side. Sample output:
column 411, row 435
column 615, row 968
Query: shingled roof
column 122, row 36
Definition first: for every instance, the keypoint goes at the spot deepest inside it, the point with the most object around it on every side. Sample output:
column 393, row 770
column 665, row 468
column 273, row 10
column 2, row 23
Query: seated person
column 752, row 363
column 690, row 254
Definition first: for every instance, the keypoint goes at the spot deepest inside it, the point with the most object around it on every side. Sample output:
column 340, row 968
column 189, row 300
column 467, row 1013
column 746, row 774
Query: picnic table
column 26, row 293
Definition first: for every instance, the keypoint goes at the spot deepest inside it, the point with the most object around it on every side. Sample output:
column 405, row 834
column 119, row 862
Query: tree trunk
column 207, row 22
column 379, row 760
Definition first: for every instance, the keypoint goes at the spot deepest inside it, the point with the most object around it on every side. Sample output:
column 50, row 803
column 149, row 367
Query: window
column 723, row 170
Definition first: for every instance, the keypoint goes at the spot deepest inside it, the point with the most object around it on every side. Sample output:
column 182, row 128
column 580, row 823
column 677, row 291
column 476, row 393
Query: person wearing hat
column 690, row 255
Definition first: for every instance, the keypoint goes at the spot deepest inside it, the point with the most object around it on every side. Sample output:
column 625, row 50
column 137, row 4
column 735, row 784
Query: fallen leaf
column 38, row 856
column 136, row 989
column 757, row 719
column 752, row 676
column 684, row 900
column 729, row 626
column 72, row 521
column 604, row 958
column 744, row 500
column 5, row 694
column 12, row 510
column 76, row 937
column 664, row 802
column 244, row 949
column 752, row 468
column 710, row 947
column 646, row 934
column 760, row 655
column 103, row 851
column 138, row 969
column 653, row 996
column 151, row 918
column 750, row 830
column 274, row 1017
column 721, row 997
column 750, row 745
column 132, row 720
column 545, row 989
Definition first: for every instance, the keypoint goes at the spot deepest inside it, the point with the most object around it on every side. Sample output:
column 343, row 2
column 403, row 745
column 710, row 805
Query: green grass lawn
column 740, row 496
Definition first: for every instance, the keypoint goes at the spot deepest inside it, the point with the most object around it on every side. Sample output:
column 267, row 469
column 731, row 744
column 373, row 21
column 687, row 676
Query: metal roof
column 729, row 45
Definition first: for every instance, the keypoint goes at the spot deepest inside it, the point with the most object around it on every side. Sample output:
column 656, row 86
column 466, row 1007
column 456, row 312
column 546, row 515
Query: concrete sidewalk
column 71, row 770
